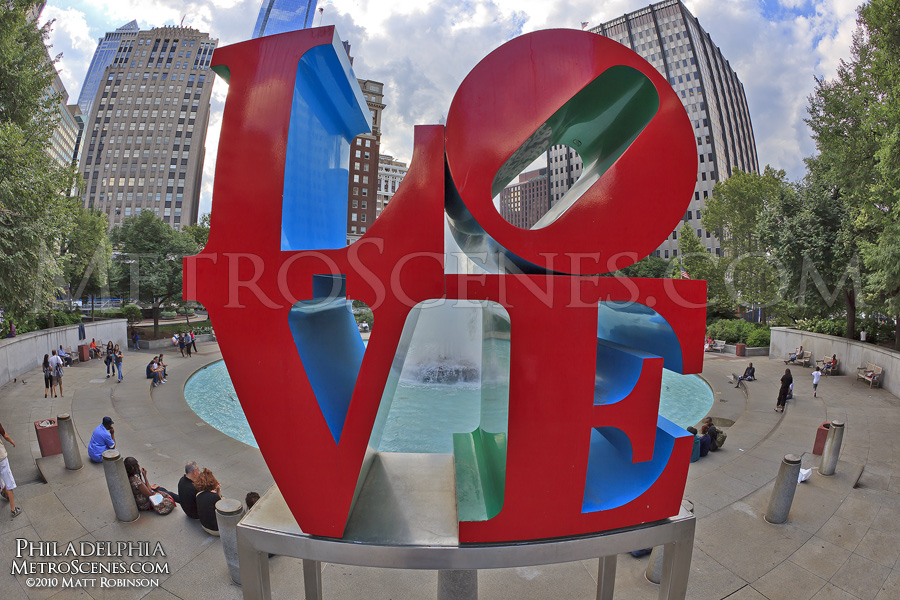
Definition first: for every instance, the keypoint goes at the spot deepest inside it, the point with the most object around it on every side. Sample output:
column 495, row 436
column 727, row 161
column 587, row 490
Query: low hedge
column 739, row 331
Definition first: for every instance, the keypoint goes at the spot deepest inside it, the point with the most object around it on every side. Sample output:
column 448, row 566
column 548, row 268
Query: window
column 666, row 254
column 353, row 217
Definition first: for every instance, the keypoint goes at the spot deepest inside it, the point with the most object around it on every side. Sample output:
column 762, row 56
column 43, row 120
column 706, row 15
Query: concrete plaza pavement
column 842, row 539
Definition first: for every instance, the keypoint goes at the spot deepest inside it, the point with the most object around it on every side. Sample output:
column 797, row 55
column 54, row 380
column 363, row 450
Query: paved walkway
column 842, row 539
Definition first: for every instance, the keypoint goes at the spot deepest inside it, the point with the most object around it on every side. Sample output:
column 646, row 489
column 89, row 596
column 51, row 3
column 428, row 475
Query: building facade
column 143, row 143
column 364, row 153
column 390, row 174
column 671, row 39
column 281, row 16
column 106, row 52
column 522, row 204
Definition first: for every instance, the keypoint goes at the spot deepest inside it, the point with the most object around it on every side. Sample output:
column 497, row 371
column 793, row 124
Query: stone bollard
column 832, row 448
column 68, row 442
column 457, row 585
column 119, row 487
column 228, row 512
column 783, row 492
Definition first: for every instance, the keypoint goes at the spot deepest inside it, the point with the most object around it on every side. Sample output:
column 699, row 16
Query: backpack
column 720, row 438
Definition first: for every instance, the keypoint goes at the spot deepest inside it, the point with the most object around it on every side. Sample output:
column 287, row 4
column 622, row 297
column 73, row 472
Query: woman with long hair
column 109, row 358
column 209, row 491
column 49, row 384
column 786, row 380
column 145, row 492
column 117, row 358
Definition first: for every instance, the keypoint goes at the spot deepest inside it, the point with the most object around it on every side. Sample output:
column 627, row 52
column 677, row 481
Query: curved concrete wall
column 26, row 352
column 850, row 353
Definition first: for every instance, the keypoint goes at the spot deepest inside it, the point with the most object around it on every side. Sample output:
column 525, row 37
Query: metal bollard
column 68, row 442
column 119, row 487
column 783, row 492
column 457, row 585
column 832, row 448
column 228, row 512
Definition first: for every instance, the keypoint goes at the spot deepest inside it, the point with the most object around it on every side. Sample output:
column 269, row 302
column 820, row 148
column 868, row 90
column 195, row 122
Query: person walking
column 181, row 344
column 136, row 338
column 110, row 358
column 193, row 339
column 816, row 375
column 49, row 386
column 56, row 365
column 118, row 358
column 7, row 483
column 786, row 381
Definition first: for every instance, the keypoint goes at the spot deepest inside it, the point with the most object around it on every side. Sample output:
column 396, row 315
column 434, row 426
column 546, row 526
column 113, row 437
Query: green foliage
column 133, row 313
column 703, row 265
column 185, row 311
column 206, row 330
column 35, row 210
column 365, row 316
column 735, row 331
column 200, row 231
column 85, row 253
column 822, row 325
column 759, row 337
column 150, row 260
column 650, row 267
column 168, row 314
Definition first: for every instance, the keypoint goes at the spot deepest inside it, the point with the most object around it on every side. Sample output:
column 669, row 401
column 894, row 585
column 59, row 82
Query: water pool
column 423, row 416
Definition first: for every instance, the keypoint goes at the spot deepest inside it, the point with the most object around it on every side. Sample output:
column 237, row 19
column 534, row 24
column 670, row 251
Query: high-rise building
column 671, row 39
column 390, row 173
column 281, row 16
column 523, row 203
column 143, row 141
column 107, row 48
column 364, row 153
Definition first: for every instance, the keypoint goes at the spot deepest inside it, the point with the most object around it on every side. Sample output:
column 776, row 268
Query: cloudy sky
column 422, row 49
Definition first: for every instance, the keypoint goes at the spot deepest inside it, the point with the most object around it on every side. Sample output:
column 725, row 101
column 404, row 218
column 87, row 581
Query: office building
column 390, row 173
column 106, row 52
column 671, row 39
column 523, row 203
column 142, row 147
column 364, row 153
column 281, row 16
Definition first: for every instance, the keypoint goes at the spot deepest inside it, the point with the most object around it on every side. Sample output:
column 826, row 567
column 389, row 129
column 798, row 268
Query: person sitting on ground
column 705, row 440
column 829, row 364
column 163, row 368
column 251, row 499
column 793, row 357
column 749, row 375
column 64, row 357
column 713, row 434
column 103, row 439
column 153, row 371
column 187, row 492
column 210, row 492
column 148, row 496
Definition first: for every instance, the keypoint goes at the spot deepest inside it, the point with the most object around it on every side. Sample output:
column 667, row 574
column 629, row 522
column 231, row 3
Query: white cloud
column 422, row 50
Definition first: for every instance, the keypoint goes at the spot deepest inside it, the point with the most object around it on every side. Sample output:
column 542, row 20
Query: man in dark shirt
column 705, row 441
column 187, row 492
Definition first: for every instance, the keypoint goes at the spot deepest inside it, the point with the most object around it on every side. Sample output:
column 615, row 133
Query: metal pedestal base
column 270, row 527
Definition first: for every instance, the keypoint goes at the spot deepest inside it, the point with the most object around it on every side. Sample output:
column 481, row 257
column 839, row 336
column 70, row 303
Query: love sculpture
column 584, row 449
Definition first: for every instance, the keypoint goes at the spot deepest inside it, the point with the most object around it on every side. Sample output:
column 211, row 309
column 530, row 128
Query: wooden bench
column 833, row 369
column 806, row 359
column 717, row 346
column 73, row 356
column 871, row 373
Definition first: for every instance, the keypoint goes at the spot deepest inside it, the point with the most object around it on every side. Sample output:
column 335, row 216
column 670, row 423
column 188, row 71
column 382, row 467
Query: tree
column 735, row 212
column 700, row 264
column 35, row 210
column 86, row 252
column 150, row 260
column 200, row 231
column 855, row 119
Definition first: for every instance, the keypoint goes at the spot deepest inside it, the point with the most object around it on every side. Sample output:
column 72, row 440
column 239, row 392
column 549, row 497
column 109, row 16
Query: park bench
column 834, row 365
column 717, row 346
column 871, row 373
column 805, row 359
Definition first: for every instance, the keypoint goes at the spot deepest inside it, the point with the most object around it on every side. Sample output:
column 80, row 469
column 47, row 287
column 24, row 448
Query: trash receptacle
column 48, row 437
column 740, row 349
column 84, row 352
column 821, row 436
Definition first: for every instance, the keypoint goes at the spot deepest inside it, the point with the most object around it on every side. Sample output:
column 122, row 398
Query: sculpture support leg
column 254, row 567
column 676, row 568
column 312, row 579
column 606, row 577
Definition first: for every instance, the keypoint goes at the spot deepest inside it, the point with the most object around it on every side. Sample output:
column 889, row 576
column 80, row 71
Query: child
column 816, row 375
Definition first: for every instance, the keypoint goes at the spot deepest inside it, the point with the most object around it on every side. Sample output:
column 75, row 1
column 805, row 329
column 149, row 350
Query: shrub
column 836, row 327
column 365, row 316
column 186, row 310
column 759, row 337
column 168, row 314
column 112, row 313
column 133, row 313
